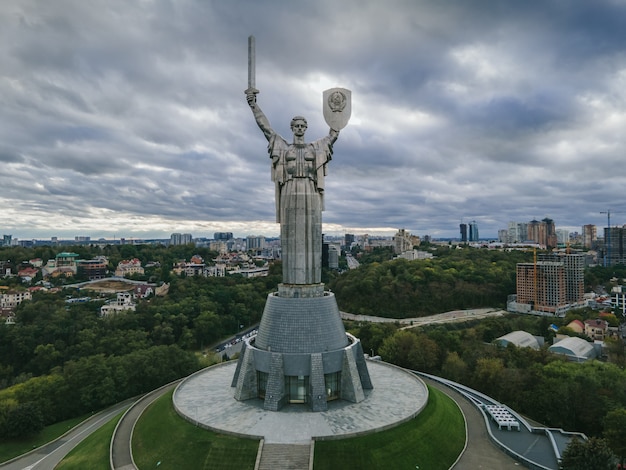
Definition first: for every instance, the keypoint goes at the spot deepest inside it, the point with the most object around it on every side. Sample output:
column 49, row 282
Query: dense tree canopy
column 454, row 279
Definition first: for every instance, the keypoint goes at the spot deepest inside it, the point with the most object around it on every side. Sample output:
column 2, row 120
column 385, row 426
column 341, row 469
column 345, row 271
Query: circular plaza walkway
column 206, row 399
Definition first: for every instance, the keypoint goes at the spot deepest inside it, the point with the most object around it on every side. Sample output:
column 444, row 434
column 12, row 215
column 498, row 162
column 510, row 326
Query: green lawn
column 14, row 447
column 93, row 452
column 433, row 440
column 163, row 439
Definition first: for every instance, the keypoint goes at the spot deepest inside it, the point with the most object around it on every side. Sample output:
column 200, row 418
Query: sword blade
column 251, row 63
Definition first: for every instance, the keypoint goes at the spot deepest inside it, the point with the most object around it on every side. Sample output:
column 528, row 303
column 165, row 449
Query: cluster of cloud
column 129, row 119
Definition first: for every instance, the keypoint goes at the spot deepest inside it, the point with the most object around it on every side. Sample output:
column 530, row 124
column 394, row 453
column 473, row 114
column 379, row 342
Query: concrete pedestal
column 301, row 338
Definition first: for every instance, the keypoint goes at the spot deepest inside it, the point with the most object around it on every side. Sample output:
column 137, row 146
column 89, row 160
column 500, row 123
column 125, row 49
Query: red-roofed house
column 576, row 325
column 27, row 272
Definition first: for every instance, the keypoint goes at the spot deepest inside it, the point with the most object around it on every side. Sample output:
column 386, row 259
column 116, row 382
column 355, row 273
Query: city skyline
column 129, row 120
column 181, row 238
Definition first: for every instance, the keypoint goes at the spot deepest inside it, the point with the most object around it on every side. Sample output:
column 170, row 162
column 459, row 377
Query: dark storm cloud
column 131, row 117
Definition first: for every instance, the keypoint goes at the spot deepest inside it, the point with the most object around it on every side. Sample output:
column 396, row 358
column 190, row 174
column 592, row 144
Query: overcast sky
column 129, row 119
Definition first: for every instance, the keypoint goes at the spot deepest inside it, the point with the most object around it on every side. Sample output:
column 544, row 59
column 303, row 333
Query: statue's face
column 298, row 128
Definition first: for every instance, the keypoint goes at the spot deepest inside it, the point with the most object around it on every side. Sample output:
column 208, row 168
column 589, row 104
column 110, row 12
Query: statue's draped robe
column 298, row 172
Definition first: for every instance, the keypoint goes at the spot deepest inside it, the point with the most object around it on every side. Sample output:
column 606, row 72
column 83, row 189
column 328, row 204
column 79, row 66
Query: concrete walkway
column 121, row 455
column 206, row 399
column 480, row 452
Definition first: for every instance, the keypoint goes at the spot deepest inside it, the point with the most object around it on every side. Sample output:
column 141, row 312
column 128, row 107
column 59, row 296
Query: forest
column 60, row 359
column 453, row 279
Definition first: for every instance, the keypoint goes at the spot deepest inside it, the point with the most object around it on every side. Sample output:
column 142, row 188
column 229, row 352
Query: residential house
column 127, row 267
column 596, row 329
column 28, row 273
column 576, row 326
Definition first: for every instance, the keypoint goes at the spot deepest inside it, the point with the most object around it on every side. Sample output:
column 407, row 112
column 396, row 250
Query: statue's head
column 298, row 126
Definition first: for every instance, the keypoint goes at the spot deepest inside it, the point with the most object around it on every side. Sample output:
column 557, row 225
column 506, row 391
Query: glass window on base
column 333, row 386
column 296, row 387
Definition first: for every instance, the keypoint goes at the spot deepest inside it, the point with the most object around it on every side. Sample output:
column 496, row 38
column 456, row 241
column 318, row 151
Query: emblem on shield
column 337, row 107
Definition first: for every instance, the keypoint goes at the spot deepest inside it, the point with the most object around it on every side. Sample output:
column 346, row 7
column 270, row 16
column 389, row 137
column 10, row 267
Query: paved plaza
column 207, row 398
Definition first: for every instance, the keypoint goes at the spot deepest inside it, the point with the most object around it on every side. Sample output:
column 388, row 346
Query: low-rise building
column 189, row 269
column 93, row 269
column 521, row 339
column 128, row 267
column 574, row 348
column 123, row 303
column 10, row 299
column 64, row 264
column 576, row 326
column 28, row 273
column 596, row 329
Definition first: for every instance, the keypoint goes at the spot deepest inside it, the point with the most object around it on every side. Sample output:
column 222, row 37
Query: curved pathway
column 480, row 452
column 121, row 455
column 49, row 455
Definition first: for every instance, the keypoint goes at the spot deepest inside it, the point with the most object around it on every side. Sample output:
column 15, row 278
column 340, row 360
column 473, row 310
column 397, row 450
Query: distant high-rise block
column 223, row 236
column 180, row 238
column 473, row 232
column 590, row 235
column 614, row 245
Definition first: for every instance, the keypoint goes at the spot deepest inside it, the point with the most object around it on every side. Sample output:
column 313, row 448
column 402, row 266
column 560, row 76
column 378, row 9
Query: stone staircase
column 285, row 457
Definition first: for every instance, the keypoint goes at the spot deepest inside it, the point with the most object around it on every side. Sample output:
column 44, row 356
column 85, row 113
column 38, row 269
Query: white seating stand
column 502, row 417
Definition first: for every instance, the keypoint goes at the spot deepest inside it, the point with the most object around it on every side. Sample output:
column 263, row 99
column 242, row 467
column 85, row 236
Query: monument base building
column 301, row 353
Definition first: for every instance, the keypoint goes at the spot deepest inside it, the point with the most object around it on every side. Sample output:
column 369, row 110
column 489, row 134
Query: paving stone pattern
column 208, row 398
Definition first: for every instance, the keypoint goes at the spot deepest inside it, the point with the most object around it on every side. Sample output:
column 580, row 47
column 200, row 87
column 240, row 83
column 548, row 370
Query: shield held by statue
column 337, row 107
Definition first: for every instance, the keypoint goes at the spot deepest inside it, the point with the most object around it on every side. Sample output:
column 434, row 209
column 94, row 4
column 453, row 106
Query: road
column 48, row 456
column 448, row 317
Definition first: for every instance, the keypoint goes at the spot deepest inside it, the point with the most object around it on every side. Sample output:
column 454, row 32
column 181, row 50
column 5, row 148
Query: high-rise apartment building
column 255, row 242
column 180, row 238
column 473, row 231
column 541, row 285
column 562, row 236
column 574, row 265
column 349, row 239
column 463, row 230
column 402, row 241
column 225, row 236
column 614, row 251
column 333, row 256
column 542, row 232
column 551, row 285
column 590, row 235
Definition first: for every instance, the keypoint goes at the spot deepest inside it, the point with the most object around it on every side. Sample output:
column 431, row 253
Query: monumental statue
column 301, row 353
column 298, row 171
